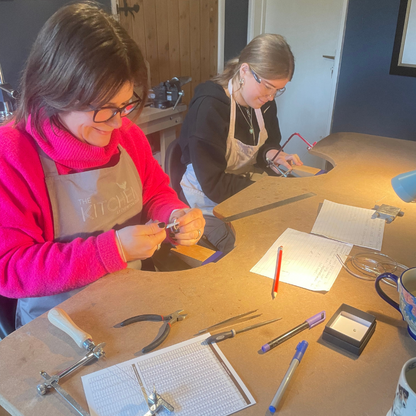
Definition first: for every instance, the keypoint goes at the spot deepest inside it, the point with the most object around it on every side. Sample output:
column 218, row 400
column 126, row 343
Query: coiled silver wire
column 369, row 265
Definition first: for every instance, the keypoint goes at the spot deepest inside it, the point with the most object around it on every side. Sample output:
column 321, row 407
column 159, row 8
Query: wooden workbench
column 329, row 380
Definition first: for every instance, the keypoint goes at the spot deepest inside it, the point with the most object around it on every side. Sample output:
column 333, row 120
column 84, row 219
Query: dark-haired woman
column 80, row 194
column 231, row 129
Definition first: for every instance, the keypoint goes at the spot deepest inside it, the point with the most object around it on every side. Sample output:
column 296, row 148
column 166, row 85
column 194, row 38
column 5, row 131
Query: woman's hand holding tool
column 278, row 157
column 139, row 242
column 275, row 157
column 189, row 226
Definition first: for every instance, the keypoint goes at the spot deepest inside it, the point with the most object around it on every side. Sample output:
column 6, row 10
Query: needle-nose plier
column 169, row 319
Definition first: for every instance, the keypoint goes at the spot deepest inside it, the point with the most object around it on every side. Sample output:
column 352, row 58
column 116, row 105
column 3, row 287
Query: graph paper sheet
column 193, row 376
column 349, row 224
column 308, row 261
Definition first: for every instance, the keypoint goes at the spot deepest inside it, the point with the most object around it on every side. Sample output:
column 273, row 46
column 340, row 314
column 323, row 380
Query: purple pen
column 309, row 323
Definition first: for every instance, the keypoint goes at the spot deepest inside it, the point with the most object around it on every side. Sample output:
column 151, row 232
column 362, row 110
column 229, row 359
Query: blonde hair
column 268, row 55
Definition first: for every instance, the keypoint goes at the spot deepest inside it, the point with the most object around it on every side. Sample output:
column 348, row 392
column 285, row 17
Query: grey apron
column 86, row 204
column 240, row 159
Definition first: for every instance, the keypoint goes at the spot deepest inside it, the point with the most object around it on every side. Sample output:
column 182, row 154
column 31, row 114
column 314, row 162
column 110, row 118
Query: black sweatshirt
column 203, row 139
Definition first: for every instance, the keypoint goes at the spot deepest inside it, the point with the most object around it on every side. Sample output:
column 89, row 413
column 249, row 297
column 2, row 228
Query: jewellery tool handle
column 61, row 320
column 230, row 334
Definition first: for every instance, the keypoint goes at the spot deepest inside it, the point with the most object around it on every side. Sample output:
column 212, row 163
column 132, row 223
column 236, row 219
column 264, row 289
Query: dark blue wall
column 235, row 33
column 370, row 100
column 20, row 22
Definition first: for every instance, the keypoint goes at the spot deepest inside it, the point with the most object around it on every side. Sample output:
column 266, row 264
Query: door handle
column 328, row 56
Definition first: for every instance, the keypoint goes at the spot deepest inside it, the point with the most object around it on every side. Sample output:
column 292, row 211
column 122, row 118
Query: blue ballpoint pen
column 300, row 350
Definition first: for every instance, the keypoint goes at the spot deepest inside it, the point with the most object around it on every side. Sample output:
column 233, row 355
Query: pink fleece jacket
column 31, row 264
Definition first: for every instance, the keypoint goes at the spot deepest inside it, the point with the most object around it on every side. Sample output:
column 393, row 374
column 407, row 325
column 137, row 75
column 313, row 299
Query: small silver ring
column 199, row 233
column 158, row 247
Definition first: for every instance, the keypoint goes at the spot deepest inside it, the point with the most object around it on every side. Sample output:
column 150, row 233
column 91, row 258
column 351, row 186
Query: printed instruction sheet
column 193, row 376
column 308, row 261
column 349, row 224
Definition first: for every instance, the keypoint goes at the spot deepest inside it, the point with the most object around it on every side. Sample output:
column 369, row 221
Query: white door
column 314, row 30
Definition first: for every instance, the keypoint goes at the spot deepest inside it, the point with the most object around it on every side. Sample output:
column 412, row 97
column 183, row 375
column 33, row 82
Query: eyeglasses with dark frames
column 101, row 115
column 277, row 93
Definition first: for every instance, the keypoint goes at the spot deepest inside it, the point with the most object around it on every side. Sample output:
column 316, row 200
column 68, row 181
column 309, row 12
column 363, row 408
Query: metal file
column 268, row 207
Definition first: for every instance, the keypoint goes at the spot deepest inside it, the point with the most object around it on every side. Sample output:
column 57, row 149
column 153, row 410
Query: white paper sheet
column 349, row 224
column 308, row 261
column 193, row 376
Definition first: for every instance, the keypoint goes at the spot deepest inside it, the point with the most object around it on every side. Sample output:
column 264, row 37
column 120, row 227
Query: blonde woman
column 232, row 127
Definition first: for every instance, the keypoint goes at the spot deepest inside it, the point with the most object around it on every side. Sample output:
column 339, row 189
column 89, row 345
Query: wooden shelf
column 164, row 122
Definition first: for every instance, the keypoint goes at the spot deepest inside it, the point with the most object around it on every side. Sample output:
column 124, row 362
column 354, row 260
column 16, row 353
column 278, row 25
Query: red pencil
column 278, row 266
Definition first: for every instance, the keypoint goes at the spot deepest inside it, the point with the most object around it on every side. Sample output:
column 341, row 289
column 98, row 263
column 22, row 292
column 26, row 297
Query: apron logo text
column 116, row 204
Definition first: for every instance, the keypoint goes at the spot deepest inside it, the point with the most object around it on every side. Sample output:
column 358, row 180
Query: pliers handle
column 158, row 340
column 145, row 317
column 169, row 319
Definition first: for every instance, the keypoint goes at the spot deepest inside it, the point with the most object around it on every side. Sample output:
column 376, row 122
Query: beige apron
column 240, row 158
column 86, row 204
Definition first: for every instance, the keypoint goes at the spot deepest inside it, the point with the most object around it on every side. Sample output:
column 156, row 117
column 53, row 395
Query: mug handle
column 379, row 290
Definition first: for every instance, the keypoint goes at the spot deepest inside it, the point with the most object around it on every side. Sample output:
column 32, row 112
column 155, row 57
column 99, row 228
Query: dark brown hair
column 81, row 57
column 268, row 55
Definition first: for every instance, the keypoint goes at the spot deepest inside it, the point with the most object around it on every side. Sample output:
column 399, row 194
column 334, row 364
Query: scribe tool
column 174, row 225
column 229, row 320
column 61, row 320
column 230, row 334
column 309, row 323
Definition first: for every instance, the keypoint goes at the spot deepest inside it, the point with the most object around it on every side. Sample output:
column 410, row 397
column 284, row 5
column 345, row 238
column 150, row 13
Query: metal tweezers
column 229, row 320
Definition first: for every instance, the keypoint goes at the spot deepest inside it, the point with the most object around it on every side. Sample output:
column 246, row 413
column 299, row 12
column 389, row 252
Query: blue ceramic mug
column 406, row 286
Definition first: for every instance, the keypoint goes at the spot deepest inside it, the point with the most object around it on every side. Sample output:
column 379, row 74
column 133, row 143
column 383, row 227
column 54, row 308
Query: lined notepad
column 308, row 261
column 350, row 224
